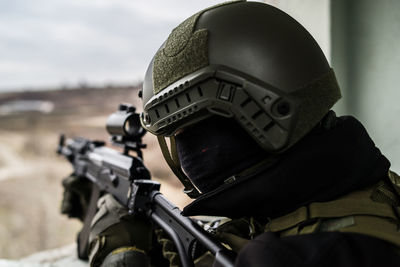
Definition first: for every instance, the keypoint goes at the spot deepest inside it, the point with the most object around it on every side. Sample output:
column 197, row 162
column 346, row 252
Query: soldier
column 244, row 94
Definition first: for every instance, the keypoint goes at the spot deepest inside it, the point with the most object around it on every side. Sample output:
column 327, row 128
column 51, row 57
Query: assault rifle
column 128, row 180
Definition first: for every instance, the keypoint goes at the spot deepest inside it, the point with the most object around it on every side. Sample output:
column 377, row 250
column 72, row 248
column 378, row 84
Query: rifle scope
column 124, row 125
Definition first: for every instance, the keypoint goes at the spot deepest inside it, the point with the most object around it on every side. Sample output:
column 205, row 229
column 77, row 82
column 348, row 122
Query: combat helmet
column 243, row 60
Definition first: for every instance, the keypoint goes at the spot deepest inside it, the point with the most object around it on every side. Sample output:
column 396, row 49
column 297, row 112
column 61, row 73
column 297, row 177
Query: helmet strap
column 172, row 160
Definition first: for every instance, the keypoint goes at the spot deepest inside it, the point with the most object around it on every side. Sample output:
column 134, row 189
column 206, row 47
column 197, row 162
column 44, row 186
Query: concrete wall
column 366, row 58
column 314, row 15
column 361, row 38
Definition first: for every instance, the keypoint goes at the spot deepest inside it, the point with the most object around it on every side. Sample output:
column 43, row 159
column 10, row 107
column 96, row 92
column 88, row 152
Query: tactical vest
column 373, row 211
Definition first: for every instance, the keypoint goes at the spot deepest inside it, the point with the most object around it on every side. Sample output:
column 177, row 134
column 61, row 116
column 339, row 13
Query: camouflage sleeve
column 126, row 256
column 117, row 237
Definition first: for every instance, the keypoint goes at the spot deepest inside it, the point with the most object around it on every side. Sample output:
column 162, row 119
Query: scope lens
column 132, row 126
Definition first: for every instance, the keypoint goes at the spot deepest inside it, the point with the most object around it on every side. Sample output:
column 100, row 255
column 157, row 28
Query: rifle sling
column 83, row 236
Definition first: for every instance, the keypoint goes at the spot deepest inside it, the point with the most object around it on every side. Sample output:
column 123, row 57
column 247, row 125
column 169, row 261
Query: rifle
column 126, row 178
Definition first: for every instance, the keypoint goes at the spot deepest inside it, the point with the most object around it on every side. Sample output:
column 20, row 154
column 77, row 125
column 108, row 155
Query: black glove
column 76, row 197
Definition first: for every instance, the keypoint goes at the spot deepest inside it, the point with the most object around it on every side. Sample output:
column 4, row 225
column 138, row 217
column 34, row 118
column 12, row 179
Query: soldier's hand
column 76, row 197
column 117, row 238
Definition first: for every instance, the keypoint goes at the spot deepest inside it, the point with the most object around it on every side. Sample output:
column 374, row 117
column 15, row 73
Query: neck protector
column 322, row 166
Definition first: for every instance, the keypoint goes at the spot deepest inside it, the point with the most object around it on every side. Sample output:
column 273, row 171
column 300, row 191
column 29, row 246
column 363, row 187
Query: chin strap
column 173, row 162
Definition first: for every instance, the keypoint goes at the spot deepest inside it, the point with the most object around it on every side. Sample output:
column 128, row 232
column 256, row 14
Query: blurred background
column 65, row 65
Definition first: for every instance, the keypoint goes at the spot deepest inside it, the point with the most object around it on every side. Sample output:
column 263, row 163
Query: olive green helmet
column 243, row 60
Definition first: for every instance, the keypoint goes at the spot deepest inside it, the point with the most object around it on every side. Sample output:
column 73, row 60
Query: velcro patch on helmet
column 318, row 98
column 184, row 52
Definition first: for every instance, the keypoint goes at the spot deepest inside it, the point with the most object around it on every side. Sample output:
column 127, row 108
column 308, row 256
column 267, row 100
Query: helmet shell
column 245, row 60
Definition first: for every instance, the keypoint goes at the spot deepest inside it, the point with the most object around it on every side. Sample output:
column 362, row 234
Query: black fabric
column 215, row 149
column 322, row 166
column 320, row 249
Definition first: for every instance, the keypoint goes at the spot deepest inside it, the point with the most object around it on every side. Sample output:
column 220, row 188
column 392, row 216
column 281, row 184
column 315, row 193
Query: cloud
column 45, row 42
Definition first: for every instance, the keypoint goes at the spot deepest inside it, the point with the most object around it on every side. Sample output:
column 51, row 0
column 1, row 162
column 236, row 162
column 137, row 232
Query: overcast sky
column 47, row 43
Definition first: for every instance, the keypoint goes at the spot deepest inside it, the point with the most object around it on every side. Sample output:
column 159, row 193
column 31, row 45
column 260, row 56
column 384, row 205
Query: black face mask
column 327, row 163
column 214, row 150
